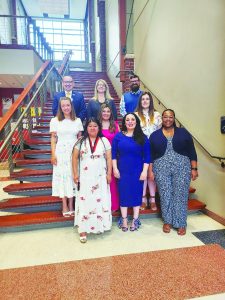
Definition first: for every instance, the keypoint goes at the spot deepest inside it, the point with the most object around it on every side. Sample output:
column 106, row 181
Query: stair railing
column 219, row 158
column 64, row 68
column 23, row 116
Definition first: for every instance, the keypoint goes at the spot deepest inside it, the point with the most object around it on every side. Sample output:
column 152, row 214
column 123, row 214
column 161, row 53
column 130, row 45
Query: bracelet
column 195, row 169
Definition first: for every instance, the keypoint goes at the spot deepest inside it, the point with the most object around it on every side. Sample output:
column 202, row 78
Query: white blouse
column 149, row 128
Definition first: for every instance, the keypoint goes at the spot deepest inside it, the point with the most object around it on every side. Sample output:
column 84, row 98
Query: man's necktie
column 68, row 95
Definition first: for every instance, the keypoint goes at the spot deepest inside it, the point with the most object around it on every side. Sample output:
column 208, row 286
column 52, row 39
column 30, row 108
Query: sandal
column 136, row 223
column 181, row 231
column 166, row 228
column 144, row 203
column 66, row 214
column 83, row 238
column 120, row 224
column 153, row 204
column 72, row 213
column 143, row 206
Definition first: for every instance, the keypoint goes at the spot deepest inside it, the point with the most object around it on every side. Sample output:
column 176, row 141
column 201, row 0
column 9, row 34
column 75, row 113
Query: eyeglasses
column 67, row 81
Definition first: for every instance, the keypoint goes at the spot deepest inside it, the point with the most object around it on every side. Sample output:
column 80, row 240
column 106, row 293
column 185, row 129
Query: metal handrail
column 17, row 126
column 26, row 110
column 181, row 125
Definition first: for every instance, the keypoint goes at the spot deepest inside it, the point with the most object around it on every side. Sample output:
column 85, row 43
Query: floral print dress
column 93, row 200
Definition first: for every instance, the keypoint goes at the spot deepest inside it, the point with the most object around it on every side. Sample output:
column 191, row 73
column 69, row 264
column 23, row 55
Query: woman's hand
column 151, row 175
column 54, row 160
column 108, row 178
column 194, row 174
column 116, row 173
column 76, row 178
column 143, row 175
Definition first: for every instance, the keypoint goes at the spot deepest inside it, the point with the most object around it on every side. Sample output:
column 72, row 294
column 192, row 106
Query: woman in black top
column 102, row 96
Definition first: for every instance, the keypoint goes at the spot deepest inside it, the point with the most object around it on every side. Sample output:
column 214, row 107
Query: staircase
column 35, row 207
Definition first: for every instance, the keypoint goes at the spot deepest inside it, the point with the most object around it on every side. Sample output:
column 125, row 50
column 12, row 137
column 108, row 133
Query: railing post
column 20, row 136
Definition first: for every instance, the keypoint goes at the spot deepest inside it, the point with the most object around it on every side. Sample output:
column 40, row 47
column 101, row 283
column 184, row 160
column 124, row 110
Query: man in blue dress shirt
column 76, row 98
column 129, row 100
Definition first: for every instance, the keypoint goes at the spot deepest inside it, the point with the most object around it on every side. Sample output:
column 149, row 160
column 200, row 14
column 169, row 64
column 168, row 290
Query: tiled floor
column 62, row 244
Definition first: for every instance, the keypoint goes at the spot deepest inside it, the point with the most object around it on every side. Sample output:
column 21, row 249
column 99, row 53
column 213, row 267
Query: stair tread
column 35, row 151
column 56, row 216
column 32, row 161
column 27, row 186
column 28, row 201
column 37, row 142
column 30, row 173
column 33, row 218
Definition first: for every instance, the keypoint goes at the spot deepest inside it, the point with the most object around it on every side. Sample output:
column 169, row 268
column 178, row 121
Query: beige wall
column 179, row 54
column 19, row 62
column 112, row 43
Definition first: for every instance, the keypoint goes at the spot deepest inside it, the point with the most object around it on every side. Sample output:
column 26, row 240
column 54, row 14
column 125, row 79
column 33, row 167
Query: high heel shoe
column 136, row 223
column 120, row 224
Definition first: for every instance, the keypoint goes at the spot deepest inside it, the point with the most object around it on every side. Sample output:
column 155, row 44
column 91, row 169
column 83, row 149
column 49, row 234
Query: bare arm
column 144, row 172
column 75, row 159
column 109, row 165
column 194, row 170
column 53, row 146
column 116, row 172
column 79, row 134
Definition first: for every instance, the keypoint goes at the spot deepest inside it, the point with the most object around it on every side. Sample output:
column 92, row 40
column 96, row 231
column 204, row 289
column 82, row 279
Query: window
column 63, row 36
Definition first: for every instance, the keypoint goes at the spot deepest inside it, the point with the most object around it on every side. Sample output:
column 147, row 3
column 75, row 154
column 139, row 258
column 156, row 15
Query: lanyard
column 93, row 148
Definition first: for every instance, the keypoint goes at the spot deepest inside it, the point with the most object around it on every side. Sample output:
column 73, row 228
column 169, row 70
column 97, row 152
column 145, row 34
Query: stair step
column 29, row 204
column 39, row 144
column 38, row 164
column 53, row 219
column 29, row 189
column 31, row 221
column 42, row 136
column 38, row 154
column 42, row 128
column 32, row 175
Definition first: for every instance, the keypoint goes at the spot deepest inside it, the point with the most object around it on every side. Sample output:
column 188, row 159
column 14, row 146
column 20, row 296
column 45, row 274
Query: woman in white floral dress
column 151, row 120
column 92, row 167
column 65, row 129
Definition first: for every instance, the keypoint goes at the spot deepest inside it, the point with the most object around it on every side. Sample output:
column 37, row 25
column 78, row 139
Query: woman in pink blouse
column 109, row 130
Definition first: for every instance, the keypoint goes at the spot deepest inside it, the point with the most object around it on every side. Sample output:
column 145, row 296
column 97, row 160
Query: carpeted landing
column 212, row 237
column 168, row 274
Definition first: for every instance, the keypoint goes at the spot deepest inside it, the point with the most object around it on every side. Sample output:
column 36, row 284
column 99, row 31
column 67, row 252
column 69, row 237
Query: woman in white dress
column 92, row 168
column 65, row 129
column 150, row 121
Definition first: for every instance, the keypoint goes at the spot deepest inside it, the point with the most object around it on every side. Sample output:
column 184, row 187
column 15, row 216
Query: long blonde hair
column 139, row 109
column 60, row 114
column 107, row 94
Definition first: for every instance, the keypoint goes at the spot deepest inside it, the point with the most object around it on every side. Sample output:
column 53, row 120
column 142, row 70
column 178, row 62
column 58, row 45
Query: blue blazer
column 182, row 143
column 78, row 103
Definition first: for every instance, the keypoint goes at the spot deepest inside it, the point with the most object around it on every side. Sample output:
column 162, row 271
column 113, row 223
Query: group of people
column 107, row 168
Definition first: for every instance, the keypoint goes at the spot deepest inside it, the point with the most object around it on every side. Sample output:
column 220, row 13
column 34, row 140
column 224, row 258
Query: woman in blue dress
column 174, row 165
column 131, row 158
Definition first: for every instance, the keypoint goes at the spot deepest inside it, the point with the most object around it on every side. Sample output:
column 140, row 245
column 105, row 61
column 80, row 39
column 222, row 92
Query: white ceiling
column 14, row 81
column 56, row 8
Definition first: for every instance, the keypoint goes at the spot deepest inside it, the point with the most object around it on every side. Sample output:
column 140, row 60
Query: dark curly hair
column 173, row 112
column 138, row 135
column 92, row 119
